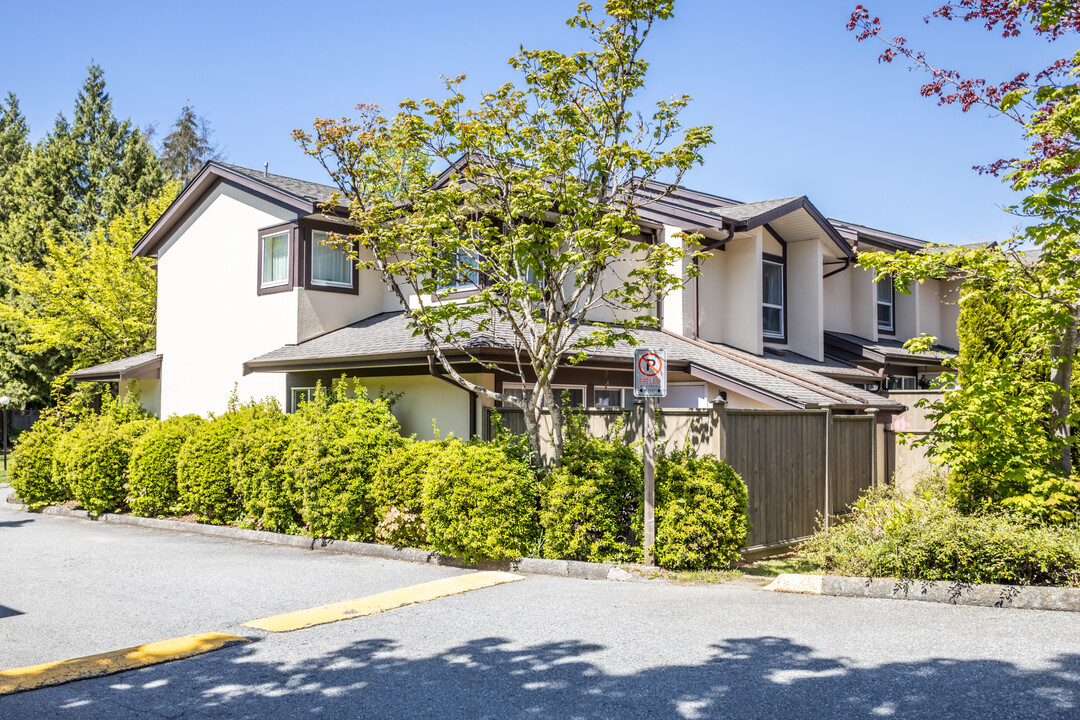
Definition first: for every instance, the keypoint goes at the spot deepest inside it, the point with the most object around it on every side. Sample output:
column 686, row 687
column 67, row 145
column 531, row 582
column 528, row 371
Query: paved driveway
column 542, row 647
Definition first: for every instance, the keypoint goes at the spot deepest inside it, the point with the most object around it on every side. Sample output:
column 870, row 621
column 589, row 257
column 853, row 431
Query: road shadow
column 15, row 523
column 756, row 677
column 6, row 612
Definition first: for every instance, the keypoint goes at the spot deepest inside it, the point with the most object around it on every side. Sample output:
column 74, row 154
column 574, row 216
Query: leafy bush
column 337, row 444
column 701, row 519
column 32, row 466
column 204, row 476
column 923, row 536
column 397, row 489
column 97, row 452
column 590, row 501
column 152, row 469
column 479, row 503
column 258, row 466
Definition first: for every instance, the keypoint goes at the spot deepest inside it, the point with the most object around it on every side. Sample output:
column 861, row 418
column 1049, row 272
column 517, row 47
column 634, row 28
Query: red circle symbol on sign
column 650, row 364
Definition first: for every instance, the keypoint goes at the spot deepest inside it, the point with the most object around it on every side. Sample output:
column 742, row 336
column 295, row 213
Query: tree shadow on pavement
column 759, row 677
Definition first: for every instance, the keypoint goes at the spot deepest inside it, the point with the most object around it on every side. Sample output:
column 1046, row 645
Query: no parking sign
column 650, row 373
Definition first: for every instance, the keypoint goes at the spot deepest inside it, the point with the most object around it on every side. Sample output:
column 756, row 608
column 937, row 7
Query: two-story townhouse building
column 779, row 317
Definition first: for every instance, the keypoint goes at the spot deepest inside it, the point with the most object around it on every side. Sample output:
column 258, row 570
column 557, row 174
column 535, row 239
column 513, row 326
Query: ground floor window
column 299, row 395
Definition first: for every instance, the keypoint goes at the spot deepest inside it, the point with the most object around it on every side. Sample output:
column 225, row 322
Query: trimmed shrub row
column 339, row 468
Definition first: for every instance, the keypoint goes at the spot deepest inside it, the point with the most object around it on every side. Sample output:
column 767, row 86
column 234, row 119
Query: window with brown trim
column 276, row 258
column 330, row 264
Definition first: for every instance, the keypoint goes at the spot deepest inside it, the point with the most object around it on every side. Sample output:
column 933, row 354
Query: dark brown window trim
column 307, row 246
column 292, row 229
column 782, row 261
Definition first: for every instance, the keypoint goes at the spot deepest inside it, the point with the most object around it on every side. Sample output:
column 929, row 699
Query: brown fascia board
column 853, row 349
column 729, row 383
column 207, row 179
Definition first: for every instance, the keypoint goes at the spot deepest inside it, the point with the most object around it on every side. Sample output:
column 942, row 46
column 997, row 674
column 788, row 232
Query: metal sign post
column 650, row 382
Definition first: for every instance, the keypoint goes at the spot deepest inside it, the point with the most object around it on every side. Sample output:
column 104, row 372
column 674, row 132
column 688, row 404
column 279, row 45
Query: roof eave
column 211, row 174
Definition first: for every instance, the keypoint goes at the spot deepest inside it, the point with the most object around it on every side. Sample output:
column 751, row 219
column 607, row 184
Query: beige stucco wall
column 210, row 316
column 950, row 313
column 319, row 312
column 906, row 309
column 838, row 309
column 929, row 297
column 741, row 303
column 711, row 302
column 805, row 302
column 149, row 392
column 427, row 402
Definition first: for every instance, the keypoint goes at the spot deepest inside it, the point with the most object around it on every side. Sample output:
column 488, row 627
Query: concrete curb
column 533, row 566
column 1025, row 597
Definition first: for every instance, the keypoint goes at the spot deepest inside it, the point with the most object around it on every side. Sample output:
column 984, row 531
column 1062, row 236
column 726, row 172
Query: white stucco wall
column 210, row 316
column 863, row 304
column 950, row 313
column 805, row 302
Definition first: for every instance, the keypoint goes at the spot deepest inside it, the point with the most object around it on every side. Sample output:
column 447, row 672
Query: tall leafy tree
column 1026, row 459
column 537, row 215
column 188, row 146
column 84, row 173
column 92, row 301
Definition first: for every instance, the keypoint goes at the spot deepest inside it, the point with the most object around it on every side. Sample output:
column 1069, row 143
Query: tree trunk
column 1064, row 351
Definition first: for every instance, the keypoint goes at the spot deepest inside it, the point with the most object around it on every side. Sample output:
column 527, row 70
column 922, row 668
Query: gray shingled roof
column 313, row 192
column 115, row 368
column 893, row 349
column 388, row 335
column 749, row 211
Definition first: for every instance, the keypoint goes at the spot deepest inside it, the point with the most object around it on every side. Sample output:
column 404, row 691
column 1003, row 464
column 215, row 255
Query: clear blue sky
column 799, row 107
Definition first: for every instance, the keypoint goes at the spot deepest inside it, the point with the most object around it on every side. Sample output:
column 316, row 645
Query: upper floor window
column 462, row 274
column 329, row 265
column 772, row 301
column 885, row 304
column 275, row 259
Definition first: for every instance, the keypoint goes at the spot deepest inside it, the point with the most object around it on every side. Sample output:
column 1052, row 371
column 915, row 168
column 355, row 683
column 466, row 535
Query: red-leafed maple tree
column 1007, row 431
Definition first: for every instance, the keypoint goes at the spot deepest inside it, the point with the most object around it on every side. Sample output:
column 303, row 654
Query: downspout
column 472, row 396
column 697, row 266
column 845, row 266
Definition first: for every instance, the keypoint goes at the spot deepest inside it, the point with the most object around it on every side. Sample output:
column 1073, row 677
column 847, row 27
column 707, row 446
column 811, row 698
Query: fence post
column 718, row 421
column 828, row 495
column 872, row 412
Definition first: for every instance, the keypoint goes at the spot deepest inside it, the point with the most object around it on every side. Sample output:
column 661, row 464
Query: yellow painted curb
column 804, row 584
column 382, row 602
column 92, row 666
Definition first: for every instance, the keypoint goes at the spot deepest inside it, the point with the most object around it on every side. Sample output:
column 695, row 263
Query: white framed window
column 609, row 398
column 300, row 395
column 462, row 274
column 772, row 300
column 275, row 259
column 886, row 302
column 329, row 265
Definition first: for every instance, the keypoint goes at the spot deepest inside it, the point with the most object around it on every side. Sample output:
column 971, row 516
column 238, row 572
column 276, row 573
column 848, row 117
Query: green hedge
column 267, row 495
column 32, row 474
column 924, row 537
column 480, row 503
column 336, row 446
column 96, row 464
column 152, row 489
column 397, row 489
column 590, row 501
column 204, row 475
column 701, row 519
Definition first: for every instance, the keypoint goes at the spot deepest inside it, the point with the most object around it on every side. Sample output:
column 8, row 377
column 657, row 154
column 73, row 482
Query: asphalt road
column 542, row 647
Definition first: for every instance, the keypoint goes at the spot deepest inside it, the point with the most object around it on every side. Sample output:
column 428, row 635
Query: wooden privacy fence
column 795, row 463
